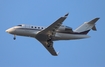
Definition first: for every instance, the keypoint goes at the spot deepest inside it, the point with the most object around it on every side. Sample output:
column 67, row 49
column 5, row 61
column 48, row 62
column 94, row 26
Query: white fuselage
column 32, row 31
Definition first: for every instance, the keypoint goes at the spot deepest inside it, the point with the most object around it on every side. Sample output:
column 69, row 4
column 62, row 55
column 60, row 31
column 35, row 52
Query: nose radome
column 7, row 31
column 10, row 30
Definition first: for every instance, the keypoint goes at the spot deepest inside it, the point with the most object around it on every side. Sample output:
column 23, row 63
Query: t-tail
column 87, row 26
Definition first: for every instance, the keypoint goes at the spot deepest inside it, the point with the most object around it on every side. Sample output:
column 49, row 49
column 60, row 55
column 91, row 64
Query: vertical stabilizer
column 87, row 26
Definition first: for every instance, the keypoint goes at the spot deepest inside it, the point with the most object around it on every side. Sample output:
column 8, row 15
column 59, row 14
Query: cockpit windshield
column 19, row 25
column 68, row 27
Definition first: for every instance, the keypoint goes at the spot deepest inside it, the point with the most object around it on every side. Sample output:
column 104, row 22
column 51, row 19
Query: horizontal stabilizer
column 94, row 28
column 93, row 21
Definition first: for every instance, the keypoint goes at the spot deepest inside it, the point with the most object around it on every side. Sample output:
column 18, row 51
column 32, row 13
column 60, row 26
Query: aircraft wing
column 50, row 49
column 54, row 26
column 46, row 35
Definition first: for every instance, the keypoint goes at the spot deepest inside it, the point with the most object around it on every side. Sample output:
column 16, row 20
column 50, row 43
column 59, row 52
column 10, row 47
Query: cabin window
column 35, row 27
column 19, row 25
column 31, row 26
column 38, row 27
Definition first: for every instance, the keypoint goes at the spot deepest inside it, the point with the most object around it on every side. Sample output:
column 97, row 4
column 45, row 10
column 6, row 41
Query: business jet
column 54, row 32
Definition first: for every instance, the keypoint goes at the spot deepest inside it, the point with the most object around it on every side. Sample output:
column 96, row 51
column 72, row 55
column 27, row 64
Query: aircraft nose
column 10, row 30
column 7, row 30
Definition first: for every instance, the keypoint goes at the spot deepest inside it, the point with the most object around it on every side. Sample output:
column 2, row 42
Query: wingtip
column 57, row 53
column 97, row 18
column 67, row 14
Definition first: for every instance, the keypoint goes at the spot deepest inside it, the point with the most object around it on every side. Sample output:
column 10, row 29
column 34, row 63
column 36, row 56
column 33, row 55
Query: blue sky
column 28, row 52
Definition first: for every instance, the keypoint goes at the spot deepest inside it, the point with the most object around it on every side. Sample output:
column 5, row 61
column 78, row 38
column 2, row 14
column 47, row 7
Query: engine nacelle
column 65, row 29
column 61, row 28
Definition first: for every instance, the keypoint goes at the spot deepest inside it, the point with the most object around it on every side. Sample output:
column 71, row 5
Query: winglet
column 57, row 53
column 66, row 14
